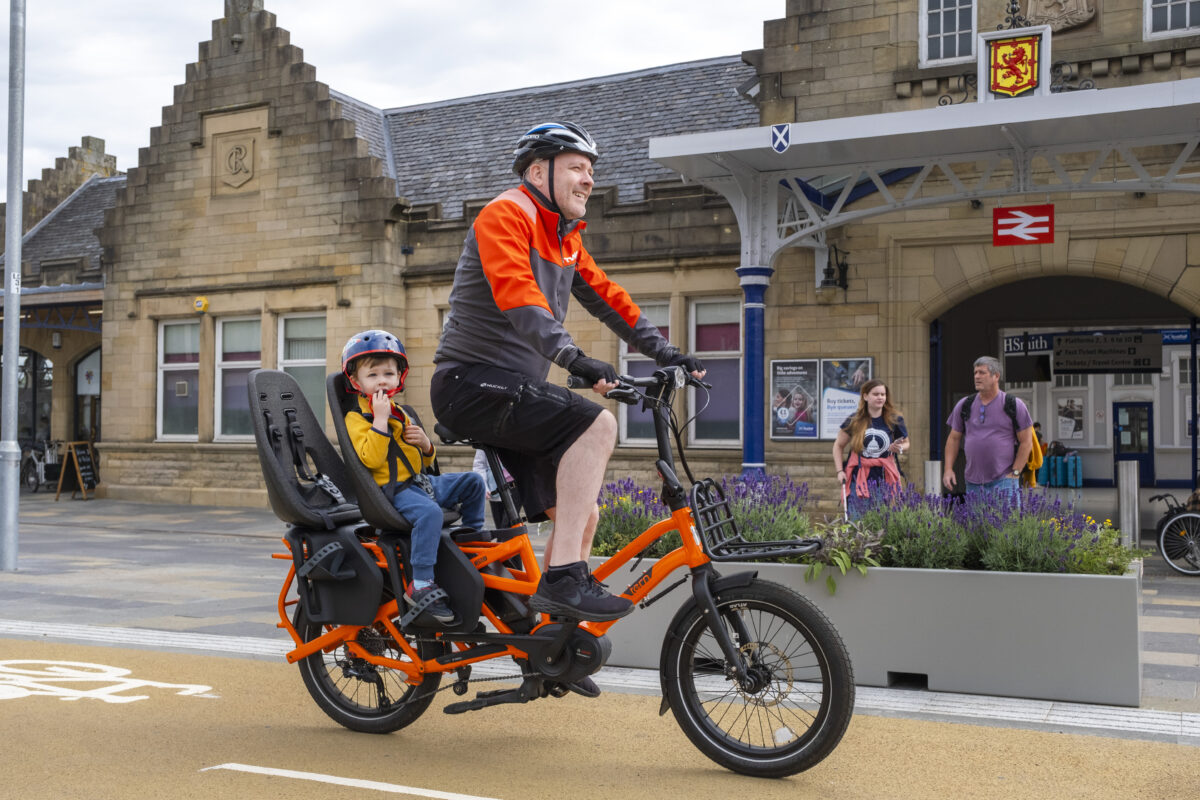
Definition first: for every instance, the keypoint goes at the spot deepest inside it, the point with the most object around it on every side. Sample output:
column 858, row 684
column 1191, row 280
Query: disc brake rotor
column 771, row 674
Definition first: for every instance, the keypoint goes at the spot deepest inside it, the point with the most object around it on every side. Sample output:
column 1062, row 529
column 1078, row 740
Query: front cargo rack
column 721, row 537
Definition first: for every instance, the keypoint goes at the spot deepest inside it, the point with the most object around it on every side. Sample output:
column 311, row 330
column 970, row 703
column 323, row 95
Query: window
column 715, row 336
column 947, row 31
column 1068, row 381
column 178, row 380
column 1171, row 18
column 637, row 426
column 1131, row 379
column 302, row 355
column 239, row 351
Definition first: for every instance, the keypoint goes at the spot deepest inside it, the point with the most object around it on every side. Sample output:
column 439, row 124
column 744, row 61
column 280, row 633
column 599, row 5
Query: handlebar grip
column 576, row 382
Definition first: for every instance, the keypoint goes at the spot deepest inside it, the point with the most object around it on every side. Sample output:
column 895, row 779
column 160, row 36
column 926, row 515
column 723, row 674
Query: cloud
column 109, row 74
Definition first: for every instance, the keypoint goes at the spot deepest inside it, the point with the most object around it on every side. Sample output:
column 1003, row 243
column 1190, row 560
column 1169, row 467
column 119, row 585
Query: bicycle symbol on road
column 76, row 680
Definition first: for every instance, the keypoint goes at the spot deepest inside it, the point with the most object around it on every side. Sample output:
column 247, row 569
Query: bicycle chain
column 522, row 676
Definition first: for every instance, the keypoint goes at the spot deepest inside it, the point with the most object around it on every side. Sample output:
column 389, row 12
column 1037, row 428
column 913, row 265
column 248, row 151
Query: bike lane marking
column 354, row 783
column 68, row 680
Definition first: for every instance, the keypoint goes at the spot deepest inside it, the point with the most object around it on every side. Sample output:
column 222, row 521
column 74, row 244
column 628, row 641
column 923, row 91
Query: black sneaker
column 432, row 601
column 574, row 593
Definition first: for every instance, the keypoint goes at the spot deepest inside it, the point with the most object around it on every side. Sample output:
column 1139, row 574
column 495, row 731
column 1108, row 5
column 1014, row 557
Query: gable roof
column 68, row 231
column 460, row 150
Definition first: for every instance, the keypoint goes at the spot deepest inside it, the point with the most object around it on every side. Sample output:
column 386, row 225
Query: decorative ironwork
column 966, row 84
column 1013, row 18
column 1062, row 77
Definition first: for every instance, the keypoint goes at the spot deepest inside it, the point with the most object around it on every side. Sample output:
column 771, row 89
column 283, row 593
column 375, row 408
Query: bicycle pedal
column 485, row 699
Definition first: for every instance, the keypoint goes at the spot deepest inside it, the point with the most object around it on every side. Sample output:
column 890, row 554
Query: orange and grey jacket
column 511, row 289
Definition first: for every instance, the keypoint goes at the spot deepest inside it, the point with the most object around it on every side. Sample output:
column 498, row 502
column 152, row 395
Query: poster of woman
column 842, row 379
column 1070, row 418
column 794, row 411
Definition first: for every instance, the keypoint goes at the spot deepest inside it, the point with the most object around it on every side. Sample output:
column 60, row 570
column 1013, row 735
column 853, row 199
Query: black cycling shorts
column 531, row 423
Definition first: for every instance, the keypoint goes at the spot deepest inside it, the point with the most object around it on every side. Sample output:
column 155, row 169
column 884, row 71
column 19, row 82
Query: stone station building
column 270, row 217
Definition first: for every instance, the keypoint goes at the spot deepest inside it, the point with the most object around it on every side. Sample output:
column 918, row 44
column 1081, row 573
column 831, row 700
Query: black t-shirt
column 877, row 438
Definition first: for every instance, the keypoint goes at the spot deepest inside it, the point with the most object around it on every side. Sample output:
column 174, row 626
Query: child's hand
column 415, row 436
column 381, row 407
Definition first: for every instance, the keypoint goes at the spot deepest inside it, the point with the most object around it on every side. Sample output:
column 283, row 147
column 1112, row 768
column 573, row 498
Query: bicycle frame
column 479, row 646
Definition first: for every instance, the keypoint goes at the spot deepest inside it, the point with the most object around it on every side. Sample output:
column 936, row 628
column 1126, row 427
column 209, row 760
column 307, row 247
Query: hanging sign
column 1023, row 225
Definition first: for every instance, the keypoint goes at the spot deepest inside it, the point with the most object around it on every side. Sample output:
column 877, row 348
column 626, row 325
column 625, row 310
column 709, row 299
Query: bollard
column 1127, row 503
column 933, row 477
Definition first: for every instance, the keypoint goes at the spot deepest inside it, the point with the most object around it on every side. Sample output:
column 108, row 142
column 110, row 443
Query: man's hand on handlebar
column 600, row 375
column 690, row 363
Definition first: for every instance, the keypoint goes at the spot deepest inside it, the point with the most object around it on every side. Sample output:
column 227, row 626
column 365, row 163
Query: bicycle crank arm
column 530, row 689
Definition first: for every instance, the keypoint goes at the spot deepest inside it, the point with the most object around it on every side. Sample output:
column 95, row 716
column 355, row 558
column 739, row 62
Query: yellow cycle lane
column 107, row 722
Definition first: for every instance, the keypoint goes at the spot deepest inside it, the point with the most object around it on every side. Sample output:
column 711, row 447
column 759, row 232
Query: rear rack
column 721, row 538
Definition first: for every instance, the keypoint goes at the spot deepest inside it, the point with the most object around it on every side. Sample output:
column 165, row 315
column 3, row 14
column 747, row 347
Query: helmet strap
column 548, row 202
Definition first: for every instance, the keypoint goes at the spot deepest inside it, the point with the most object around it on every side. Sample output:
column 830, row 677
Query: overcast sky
column 107, row 69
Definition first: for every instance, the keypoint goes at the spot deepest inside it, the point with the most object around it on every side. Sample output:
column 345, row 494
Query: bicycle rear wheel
column 29, row 476
column 795, row 705
column 1179, row 543
column 362, row 696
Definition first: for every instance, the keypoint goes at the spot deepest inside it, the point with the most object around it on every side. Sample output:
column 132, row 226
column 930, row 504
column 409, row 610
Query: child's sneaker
column 430, row 600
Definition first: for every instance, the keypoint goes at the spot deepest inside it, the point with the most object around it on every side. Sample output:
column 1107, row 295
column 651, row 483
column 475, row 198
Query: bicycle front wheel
column 362, row 696
column 1179, row 543
column 796, row 701
column 29, row 476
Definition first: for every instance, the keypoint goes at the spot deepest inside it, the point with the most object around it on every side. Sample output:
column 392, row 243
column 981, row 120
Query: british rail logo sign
column 1023, row 225
column 1013, row 65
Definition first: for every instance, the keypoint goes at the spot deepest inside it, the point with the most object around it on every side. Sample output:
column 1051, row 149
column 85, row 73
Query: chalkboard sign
column 78, row 472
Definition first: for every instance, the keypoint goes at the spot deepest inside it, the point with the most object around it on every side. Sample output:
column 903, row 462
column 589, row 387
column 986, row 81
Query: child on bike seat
column 397, row 451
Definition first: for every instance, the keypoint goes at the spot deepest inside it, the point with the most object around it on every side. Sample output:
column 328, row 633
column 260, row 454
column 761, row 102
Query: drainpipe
column 754, row 282
column 1192, row 376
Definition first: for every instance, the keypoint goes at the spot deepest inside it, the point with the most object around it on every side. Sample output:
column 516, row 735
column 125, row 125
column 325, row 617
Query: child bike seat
column 306, row 481
column 376, row 508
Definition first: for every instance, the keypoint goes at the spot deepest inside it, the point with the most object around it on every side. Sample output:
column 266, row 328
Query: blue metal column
column 754, row 282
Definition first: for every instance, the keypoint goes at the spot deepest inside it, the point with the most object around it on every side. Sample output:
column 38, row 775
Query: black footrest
column 493, row 698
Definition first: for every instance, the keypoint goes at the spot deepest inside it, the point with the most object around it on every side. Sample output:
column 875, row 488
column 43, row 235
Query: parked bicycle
column 39, row 463
column 755, row 674
column 1178, row 535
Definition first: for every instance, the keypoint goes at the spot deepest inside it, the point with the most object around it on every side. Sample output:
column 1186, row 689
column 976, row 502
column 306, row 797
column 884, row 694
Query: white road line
column 355, row 783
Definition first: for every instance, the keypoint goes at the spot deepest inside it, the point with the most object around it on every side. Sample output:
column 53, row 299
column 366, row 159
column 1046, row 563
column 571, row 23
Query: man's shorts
column 531, row 423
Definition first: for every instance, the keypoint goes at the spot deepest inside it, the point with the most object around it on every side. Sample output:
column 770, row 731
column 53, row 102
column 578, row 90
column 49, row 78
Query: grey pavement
column 202, row 579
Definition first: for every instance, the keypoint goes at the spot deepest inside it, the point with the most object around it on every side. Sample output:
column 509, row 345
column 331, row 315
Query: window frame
column 282, row 362
column 923, row 38
column 626, row 355
column 693, row 304
column 220, row 365
column 162, row 369
column 1148, row 32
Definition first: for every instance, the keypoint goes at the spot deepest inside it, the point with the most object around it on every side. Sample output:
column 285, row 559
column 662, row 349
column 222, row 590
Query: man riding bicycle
column 522, row 260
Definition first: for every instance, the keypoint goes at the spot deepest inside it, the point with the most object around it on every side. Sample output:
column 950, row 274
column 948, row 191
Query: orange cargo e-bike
column 754, row 673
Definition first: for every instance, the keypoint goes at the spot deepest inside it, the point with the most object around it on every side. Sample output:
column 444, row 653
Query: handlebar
column 628, row 385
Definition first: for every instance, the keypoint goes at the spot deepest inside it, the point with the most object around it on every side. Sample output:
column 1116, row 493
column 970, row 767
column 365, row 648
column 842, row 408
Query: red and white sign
column 1023, row 225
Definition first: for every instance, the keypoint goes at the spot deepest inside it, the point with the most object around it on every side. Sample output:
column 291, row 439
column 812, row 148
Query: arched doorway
column 86, row 425
column 1096, row 415
column 35, row 395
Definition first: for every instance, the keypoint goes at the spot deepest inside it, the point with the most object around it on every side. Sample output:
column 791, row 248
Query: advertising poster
column 794, row 392
column 1070, row 418
column 841, row 381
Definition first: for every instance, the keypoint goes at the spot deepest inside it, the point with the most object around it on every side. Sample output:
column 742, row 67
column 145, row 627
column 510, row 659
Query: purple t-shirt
column 989, row 444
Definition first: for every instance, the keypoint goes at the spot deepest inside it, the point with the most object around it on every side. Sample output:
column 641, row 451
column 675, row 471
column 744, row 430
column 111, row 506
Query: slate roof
column 461, row 149
column 368, row 125
column 68, row 231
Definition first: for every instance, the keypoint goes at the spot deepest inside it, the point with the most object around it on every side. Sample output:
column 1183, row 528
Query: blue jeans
column 426, row 515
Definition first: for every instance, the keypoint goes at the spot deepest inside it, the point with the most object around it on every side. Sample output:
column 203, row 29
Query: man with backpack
column 995, row 432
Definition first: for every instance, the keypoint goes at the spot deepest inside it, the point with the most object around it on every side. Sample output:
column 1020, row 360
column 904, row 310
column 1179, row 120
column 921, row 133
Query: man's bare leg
column 580, row 476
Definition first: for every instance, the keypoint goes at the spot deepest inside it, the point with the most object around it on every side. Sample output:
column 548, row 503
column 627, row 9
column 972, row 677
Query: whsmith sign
column 1106, row 353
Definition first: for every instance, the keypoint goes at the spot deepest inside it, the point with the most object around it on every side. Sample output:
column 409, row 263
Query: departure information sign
column 1108, row 353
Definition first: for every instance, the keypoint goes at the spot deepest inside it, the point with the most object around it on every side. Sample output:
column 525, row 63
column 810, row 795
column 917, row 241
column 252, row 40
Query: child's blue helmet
column 374, row 342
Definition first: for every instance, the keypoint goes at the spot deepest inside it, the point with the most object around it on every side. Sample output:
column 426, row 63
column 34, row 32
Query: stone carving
column 234, row 162
column 1060, row 15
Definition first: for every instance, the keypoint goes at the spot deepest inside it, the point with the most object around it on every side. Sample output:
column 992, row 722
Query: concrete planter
column 1054, row 637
